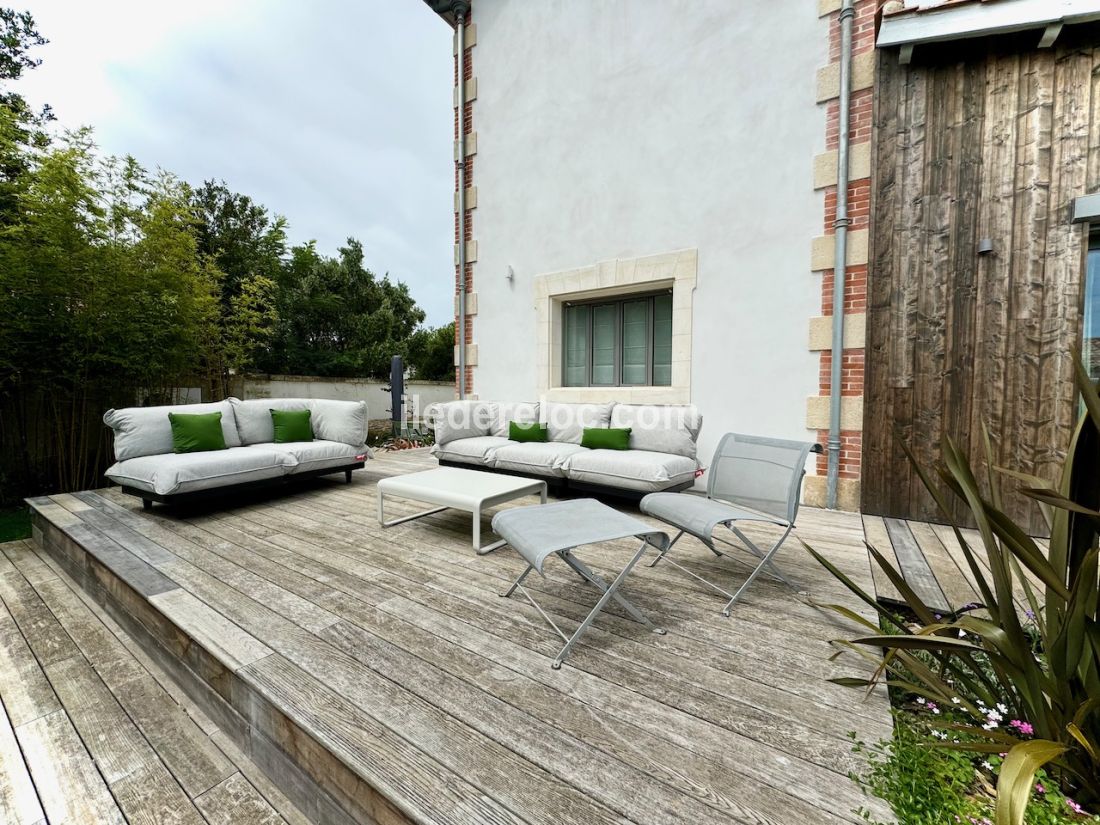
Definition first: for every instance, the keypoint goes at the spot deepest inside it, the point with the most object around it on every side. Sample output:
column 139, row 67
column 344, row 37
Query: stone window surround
column 612, row 279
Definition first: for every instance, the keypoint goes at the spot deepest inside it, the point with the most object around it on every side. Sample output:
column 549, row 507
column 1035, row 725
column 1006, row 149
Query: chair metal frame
column 746, row 513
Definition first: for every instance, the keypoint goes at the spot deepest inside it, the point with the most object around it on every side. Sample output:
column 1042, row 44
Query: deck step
column 92, row 730
column 220, row 666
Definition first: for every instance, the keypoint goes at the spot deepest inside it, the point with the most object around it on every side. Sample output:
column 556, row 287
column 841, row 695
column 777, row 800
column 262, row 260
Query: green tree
column 337, row 318
column 431, row 353
column 23, row 127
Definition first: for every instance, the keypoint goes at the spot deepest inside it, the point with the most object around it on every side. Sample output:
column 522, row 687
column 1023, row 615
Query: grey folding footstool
column 543, row 530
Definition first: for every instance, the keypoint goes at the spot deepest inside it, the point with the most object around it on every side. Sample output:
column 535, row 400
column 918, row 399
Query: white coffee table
column 452, row 488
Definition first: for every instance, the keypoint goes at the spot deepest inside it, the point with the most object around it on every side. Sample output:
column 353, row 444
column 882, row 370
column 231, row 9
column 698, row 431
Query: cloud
column 334, row 114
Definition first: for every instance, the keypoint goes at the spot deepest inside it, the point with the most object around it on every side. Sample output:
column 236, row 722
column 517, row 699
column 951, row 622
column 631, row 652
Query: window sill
column 624, row 395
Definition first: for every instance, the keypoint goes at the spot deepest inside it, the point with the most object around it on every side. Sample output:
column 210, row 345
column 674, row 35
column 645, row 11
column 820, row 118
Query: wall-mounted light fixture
column 511, row 276
column 985, row 246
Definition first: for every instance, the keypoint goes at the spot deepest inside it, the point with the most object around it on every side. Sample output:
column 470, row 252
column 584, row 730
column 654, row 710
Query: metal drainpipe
column 840, row 269
column 460, row 11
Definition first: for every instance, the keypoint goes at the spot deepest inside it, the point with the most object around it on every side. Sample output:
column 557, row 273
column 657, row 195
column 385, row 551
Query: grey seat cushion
column 539, row 458
column 475, row 450
column 660, row 428
column 141, row 431
column 186, row 472
column 696, row 514
column 632, row 469
column 316, row 455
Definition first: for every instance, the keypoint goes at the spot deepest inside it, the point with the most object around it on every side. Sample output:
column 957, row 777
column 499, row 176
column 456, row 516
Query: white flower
column 1002, row 708
column 955, row 700
column 939, row 734
column 920, row 700
column 986, row 765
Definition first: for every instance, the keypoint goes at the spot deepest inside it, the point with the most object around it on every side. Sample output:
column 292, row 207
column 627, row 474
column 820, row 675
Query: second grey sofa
column 662, row 454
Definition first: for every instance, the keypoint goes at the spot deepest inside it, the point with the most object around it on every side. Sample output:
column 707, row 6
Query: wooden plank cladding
column 988, row 139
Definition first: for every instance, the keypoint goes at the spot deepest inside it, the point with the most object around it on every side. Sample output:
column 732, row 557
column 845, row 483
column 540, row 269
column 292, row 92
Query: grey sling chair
column 750, row 479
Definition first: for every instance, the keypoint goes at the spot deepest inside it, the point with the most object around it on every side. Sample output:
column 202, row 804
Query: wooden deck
column 91, row 731
column 376, row 676
column 931, row 559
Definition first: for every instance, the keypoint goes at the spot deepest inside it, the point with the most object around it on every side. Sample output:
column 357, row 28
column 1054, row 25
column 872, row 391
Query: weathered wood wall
column 983, row 139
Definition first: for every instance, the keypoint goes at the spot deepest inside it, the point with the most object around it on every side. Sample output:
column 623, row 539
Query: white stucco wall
column 622, row 128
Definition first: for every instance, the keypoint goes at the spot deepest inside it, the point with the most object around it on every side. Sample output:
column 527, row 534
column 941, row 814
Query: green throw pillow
column 291, row 425
column 196, row 433
column 606, row 438
column 527, row 432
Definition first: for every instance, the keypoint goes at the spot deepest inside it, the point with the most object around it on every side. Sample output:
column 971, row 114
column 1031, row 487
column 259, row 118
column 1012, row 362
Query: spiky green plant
column 985, row 657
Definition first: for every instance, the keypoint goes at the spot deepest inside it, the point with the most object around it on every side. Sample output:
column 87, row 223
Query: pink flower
column 1073, row 806
column 1039, row 787
column 1023, row 727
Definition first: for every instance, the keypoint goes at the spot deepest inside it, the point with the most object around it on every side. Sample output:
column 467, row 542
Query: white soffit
column 956, row 22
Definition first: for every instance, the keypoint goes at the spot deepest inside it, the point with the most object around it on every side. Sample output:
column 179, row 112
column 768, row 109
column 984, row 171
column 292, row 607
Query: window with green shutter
column 626, row 342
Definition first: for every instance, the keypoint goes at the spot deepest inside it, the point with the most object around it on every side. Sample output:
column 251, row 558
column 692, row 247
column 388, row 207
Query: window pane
column 635, row 349
column 575, row 373
column 603, row 345
column 662, row 340
column 1092, row 309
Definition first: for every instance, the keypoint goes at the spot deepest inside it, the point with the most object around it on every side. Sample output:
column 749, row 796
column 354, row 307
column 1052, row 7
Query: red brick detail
column 468, row 112
column 859, row 215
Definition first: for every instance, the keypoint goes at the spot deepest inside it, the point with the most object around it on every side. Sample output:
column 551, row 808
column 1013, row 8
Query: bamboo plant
column 988, row 661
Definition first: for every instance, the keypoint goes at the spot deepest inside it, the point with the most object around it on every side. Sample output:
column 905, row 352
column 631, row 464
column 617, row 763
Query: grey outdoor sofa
column 145, row 465
column 662, row 454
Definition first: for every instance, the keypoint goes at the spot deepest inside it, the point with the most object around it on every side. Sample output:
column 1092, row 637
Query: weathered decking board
column 89, row 731
column 384, row 664
column 934, row 565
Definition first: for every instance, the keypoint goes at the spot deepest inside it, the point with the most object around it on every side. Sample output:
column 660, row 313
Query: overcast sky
column 336, row 115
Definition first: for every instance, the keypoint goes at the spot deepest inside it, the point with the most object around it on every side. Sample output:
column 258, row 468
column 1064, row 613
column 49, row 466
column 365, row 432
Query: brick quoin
column 859, row 213
column 468, row 112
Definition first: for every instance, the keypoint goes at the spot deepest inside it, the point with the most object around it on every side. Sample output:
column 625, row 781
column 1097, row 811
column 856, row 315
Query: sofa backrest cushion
column 140, row 431
column 504, row 412
column 659, row 428
column 567, row 422
column 342, row 421
column 254, row 417
column 453, row 420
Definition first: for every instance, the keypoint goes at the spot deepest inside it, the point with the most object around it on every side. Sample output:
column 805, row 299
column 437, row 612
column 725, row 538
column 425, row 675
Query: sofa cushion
column 660, row 428
column 342, row 421
column 633, row 469
column 527, row 432
column 540, row 458
column 196, row 433
column 254, row 422
column 567, row 422
column 291, row 425
column 316, row 455
column 475, row 450
column 453, row 420
column 504, row 412
column 186, row 472
column 142, row 431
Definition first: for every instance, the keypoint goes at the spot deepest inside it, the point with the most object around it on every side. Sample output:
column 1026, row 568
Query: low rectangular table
column 538, row 532
column 452, row 488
